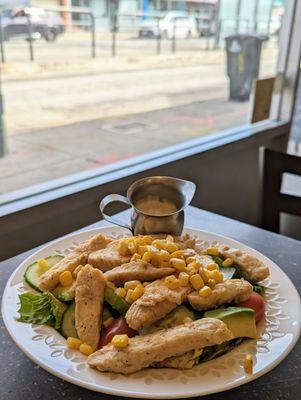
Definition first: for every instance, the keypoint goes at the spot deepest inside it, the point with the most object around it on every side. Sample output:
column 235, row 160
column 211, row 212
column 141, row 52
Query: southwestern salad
column 147, row 301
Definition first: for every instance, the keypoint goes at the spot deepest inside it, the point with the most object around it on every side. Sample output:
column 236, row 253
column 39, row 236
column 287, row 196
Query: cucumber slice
column 64, row 293
column 115, row 301
column 34, row 271
column 68, row 322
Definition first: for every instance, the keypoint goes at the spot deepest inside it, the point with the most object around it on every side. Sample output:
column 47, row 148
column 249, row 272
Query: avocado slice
column 64, row 293
column 240, row 320
column 174, row 318
column 115, row 301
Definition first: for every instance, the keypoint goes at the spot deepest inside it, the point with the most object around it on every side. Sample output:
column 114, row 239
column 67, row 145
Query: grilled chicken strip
column 184, row 361
column 89, row 296
column 139, row 270
column 252, row 269
column 144, row 350
column 156, row 302
column 230, row 290
column 78, row 256
column 108, row 258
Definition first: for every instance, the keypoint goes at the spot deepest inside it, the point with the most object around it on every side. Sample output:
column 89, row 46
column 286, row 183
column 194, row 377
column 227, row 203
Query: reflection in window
column 68, row 113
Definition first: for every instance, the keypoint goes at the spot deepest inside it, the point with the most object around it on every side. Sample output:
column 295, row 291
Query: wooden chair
column 272, row 165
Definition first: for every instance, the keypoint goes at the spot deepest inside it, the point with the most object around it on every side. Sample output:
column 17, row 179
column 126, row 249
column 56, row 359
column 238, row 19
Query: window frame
column 20, row 207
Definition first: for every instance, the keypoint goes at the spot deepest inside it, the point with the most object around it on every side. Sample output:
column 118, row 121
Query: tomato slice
column 256, row 303
column 118, row 327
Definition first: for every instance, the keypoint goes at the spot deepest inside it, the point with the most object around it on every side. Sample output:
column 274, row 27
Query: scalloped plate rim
column 151, row 394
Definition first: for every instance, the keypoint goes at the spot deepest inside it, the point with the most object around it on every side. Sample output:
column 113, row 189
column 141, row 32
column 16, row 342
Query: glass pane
column 161, row 75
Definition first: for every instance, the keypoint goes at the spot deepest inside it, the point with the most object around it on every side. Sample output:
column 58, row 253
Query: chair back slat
column 273, row 165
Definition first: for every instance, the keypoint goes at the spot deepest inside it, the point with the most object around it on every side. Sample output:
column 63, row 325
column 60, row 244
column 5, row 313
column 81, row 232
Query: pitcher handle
column 111, row 198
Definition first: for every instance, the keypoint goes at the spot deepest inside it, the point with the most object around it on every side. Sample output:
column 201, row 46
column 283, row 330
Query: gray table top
column 21, row 378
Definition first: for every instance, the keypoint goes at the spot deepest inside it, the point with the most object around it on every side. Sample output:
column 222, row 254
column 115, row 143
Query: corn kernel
column 147, row 256
column 212, row 251
column 190, row 259
column 183, row 278
column 216, row 275
column 172, row 247
column 111, row 285
column 66, row 278
column 128, row 297
column 131, row 284
column 169, row 239
column 212, row 267
column 120, row 341
column 228, row 262
column 221, row 278
column 189, row 270
column 248, row 364
column 159, row 243
column 187, row 320
column 108, row 322
column 132, row 248
column 150, row 248
column 211, row 283
column 196, row 281
column 42, row 263
column 136, row 257
column 137, row 292
column 162, row 255
column 73, row 343
column 204, row 274
column 195, row 265
column 85, row 349
column 122, row 248
column 177, row 254
column 144, row 240
column 178, row 264
column 171, row 282
column 205, row 291
column 121, row 292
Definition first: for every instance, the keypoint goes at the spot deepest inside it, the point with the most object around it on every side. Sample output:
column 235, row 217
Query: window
column 150, row 86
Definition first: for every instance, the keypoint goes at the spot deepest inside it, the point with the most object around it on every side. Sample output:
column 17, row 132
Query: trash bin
column 243, row 57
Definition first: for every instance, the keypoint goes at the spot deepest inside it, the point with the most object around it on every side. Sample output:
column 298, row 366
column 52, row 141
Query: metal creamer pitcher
column 157, row 203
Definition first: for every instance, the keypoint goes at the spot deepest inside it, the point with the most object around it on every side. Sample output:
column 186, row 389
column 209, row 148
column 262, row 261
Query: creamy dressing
column 153, row 205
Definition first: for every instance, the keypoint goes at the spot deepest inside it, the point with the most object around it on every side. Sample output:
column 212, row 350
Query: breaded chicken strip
column 252, row 269
column 156, row 302
column 230, row 290
column 89, row 296
column 108, row 258
column 144, row 350
column 137, row 270
column 78, row 256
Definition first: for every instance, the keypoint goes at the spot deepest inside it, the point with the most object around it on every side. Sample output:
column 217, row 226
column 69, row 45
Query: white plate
column 278, row 334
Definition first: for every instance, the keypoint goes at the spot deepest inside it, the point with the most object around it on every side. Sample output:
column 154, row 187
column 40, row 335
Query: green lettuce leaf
column 41, row 309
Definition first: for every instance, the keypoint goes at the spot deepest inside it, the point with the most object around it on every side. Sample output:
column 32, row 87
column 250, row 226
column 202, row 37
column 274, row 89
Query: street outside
column 66, row 113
